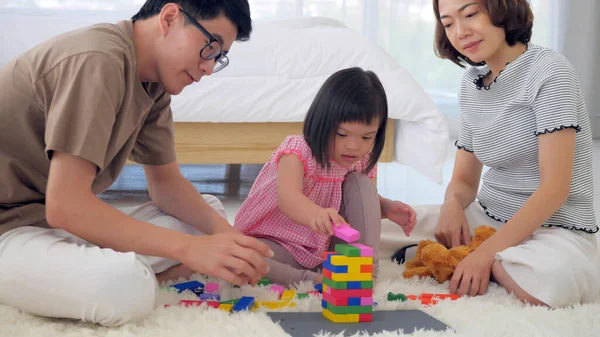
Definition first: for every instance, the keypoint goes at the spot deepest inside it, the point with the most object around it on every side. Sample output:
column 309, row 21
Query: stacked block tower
column 348, row 281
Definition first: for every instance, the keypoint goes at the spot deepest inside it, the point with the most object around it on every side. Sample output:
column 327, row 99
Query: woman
column 524, row 117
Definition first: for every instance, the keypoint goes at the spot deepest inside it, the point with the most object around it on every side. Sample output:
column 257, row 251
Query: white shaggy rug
column 495, row 314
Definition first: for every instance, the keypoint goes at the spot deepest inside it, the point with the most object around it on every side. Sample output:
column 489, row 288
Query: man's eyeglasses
column 213, row 49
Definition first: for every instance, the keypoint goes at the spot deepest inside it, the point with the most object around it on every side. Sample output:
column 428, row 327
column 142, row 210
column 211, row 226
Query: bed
column 240, row 115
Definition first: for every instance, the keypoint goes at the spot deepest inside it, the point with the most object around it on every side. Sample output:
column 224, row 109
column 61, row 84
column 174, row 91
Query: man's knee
column 127, row 293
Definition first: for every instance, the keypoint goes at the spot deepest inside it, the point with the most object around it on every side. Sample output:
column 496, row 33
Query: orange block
column 365, row 317
column 326, row 255
column 366, row 268
column 327, row 273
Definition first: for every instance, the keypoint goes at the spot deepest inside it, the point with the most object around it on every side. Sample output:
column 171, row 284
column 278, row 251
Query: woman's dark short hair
column 515, row 16
column 348, row 96
column 236, row 11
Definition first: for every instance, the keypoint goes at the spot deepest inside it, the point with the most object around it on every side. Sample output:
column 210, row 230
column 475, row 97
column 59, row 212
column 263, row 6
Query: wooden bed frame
column 243, row 143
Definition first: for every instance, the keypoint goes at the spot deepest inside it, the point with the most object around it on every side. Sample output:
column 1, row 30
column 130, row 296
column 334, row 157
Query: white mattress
column 273, row 77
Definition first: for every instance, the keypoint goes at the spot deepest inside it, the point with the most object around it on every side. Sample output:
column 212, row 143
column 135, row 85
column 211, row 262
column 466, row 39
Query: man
column 72, row 111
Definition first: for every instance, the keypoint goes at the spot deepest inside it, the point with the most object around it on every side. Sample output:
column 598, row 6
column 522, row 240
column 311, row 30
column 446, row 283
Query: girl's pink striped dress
column 260, row 216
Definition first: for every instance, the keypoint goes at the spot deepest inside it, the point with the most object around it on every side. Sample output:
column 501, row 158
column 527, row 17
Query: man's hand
column 234, row 257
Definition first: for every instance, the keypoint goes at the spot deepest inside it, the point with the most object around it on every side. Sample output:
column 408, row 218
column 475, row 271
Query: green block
column 347, row 250
column 335, row 284
column 396, row 297
column 265, row 281
column 301, row 296
column 366, row 309
column 366, row 284
column 230, row 301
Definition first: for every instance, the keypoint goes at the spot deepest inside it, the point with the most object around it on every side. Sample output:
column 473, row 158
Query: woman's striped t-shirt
column 536, row 94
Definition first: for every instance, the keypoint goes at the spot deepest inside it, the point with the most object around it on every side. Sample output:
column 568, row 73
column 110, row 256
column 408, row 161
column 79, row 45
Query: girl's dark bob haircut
column 348, row 96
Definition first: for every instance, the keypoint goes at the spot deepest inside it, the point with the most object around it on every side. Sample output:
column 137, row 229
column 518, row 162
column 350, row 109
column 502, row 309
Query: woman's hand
column 322, row 221
column 400, row 213
column 472, row 275
column 452, row 229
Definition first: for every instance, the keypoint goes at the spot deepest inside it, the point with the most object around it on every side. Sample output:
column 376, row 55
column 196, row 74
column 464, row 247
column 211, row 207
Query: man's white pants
column 52, row 273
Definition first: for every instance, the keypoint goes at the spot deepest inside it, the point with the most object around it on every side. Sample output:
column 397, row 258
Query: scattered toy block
column 208, row 296
column 231, row 301
column 364, row 250
column 226, row 307
column 346, row 232
column 277, row 289
column 265, row 281
column 288, row 295
column 302, row 296
column 245, row 303
column 195, row 303
column 314, row 292
column 319, row 287
column 348, row 250
column 274, row 304
column 396, row 297
column 194, row 286
column 212, row 288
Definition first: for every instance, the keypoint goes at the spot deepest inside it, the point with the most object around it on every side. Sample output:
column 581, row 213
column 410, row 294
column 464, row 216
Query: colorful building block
column 365, row 318
column 350, row 277
column 288, row 295
column 234, row 301
column 364, row 250
column 341, row 318
column 274, row 304
column 346, row 232
column 209, row 296
column 226, row 307
column 212, row 288
column 277, row 289
column 348, row 250
column 193, row 286
column 349, row 309
column 336, row 269
column 195, row 303
column 349, row 293
column 319, row 287
column 245, row 303
column 341, row 260
column 366, row 301
column 265, row 281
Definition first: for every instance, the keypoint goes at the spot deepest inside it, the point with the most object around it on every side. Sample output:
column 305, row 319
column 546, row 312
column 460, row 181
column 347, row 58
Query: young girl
column 523, row 116
column 324, row 177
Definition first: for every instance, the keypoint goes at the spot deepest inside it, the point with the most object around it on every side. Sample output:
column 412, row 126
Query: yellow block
column 351, row 277
column 341, row 318
column 274, row 304
column 226, row 307
column 341, row 260
column 354, row 269
column 325, row 287
column 288, row 295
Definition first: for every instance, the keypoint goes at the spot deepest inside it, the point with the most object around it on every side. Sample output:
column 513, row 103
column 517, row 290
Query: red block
column 366, row 268
column 440, row 296
column 337, row 301
column 365, row 317
column 327, row 273
column 316, row 293
column 349, row 292
column 194, row 303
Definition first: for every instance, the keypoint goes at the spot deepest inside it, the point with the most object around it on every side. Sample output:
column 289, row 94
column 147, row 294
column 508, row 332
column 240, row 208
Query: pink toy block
column 346, row 232
column 364, row 250
column 212, row 288
column 366, row 301
column 277, row 289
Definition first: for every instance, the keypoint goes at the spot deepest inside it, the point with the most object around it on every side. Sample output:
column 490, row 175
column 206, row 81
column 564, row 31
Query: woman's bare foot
column 174, row 273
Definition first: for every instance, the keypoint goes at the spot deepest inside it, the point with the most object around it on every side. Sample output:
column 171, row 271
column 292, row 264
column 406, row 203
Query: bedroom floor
column 394, row 181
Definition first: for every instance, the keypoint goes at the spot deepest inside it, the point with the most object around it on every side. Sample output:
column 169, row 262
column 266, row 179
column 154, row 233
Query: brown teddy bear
column 434, row 260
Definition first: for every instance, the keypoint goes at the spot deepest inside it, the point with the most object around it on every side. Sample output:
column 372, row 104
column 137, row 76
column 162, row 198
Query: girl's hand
column 400, row 213
column 472, row 275
column 322, row 221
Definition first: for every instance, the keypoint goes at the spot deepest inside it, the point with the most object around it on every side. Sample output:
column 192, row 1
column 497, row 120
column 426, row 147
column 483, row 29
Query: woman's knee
column 503, row 278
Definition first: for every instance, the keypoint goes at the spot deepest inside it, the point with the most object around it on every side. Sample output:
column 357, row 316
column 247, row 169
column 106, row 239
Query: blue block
column 329, row 257
column 354, row 301
column 208, row 297
column 335, row 269
column 192, row 285
column 319, row 287
column 324, row 304
column 245, row 303
column 354, row 285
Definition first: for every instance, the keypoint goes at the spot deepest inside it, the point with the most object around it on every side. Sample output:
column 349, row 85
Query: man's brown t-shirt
column 78, row 93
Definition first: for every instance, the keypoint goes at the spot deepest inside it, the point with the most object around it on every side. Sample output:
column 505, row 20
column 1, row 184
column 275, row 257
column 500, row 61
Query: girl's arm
column 290, row 198
column 556, row 155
